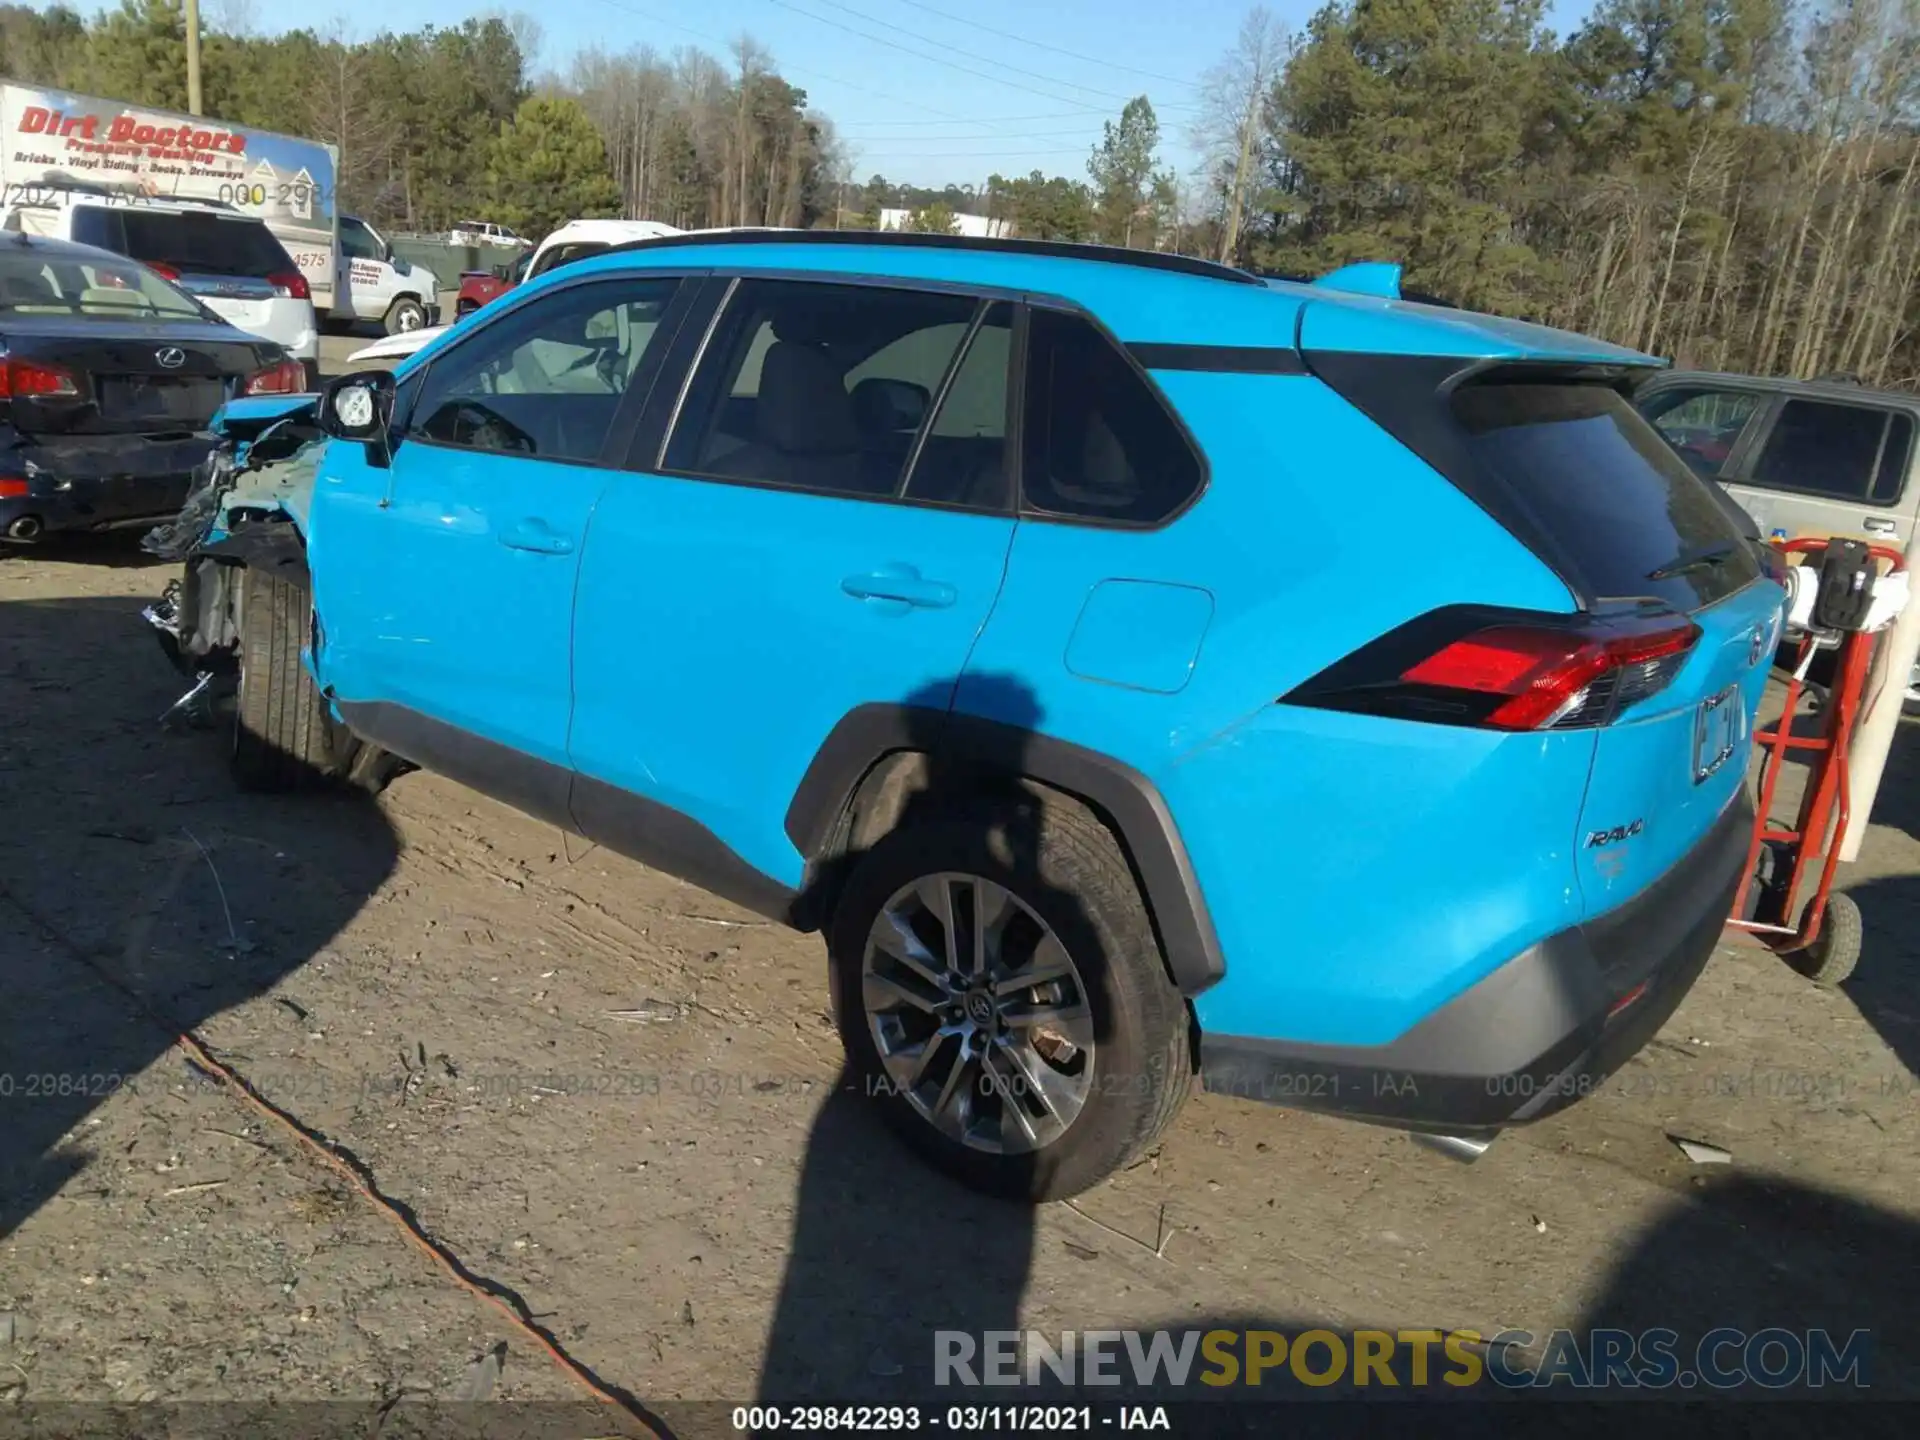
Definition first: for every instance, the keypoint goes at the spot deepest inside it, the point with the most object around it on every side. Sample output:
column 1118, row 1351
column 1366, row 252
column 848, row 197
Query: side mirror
column 357, row 406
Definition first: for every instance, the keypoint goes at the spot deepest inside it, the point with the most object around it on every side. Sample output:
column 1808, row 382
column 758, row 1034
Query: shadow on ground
column 103, row 880
column 886, row 1254
column 109, row 549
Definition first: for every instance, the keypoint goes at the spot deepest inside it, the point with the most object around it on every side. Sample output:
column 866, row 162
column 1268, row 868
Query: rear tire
column 1061, row 872
column 283, row 737
column 1835, row 952
column 405, row 315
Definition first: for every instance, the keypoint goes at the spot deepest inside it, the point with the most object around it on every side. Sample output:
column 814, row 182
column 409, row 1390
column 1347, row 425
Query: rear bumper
column 1542, row 1031
column 100, row 482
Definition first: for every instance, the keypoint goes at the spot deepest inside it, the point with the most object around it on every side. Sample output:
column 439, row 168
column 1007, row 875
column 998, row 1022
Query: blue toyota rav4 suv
column 1133, row 666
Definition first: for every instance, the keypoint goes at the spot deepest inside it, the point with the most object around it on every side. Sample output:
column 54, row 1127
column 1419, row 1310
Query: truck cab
column 373, row 283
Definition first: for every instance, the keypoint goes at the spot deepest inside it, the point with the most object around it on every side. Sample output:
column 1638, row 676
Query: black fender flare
column 972, row 747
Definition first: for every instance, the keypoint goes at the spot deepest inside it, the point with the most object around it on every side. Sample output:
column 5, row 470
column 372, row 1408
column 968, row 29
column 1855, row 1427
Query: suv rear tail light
column 290, row 285
column 1506, row 671
column 26, row 379
column 289, row 377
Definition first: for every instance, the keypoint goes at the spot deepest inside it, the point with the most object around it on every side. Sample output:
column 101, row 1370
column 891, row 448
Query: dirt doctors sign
column 53, row 137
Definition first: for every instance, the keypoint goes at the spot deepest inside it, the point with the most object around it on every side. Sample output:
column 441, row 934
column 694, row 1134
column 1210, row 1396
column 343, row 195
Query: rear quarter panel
column 1357, row 871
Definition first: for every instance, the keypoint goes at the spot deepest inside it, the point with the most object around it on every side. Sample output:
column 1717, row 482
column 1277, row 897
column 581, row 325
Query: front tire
column 1001, row 997
column 405, row 315
column 283, row 737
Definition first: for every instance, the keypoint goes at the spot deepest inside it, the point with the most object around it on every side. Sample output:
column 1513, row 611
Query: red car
column 479, row 287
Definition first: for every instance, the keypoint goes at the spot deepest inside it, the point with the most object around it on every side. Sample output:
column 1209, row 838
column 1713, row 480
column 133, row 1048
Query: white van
column 230, row 262
column 375, row 284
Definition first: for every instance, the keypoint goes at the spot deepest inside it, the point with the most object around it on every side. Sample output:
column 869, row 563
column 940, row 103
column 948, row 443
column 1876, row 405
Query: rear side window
column 203, row 244
column 1848, row 452
column 1615, row 499
column 1099, row 443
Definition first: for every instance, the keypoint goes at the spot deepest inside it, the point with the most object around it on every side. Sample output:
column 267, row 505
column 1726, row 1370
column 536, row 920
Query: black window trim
column 1770, row 421
column 985, row 297
column 632, row 401
column 1172, row 412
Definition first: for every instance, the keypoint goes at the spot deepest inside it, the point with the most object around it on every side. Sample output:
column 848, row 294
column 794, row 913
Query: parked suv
column 231, row 263
column 1804, row 457
column 996, row 607
column 485, row 232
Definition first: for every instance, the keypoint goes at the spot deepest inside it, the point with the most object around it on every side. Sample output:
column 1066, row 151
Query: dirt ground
column 613, row 1097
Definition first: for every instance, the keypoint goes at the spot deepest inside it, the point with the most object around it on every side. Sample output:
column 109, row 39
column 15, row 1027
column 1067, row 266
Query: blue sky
column 1035, row 82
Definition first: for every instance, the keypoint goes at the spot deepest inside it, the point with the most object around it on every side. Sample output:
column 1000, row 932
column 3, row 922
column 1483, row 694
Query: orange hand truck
column 1821, row 937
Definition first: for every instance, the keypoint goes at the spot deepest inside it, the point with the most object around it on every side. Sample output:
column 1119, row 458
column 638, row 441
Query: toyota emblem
column 171, row 357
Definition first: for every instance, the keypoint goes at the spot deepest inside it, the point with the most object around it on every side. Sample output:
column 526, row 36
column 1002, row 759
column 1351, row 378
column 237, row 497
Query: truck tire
column 405, row 315
column 1068, row 1079
column 283, row 737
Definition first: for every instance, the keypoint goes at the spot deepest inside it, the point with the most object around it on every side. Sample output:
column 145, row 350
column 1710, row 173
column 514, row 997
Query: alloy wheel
column 978, row 1013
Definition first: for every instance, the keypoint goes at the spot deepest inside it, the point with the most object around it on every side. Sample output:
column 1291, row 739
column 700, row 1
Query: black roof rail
column 904, row 240
column 1838, row 378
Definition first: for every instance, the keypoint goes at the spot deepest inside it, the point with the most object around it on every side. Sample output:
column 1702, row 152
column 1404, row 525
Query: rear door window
column 827, row 388
column 1843, row 452
column 203, row 244
column 1594, row 475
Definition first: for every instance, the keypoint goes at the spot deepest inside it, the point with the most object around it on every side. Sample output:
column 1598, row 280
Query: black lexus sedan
column 108, row 377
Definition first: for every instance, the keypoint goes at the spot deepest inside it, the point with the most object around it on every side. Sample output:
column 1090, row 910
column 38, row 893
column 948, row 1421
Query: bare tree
column 1228, row 125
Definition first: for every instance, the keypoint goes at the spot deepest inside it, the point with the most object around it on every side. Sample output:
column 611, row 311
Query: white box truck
column 56, row 140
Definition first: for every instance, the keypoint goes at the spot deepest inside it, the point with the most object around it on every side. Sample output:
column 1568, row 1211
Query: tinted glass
column 1099, row 443
column 821, row 387
column 1703, row 425
column 203, row 244
column 359, row 243
column 963, row 460
column 32, row 283
column 1824, row 449
column 1594, row 475
column 547, row 380
column 1890, row 478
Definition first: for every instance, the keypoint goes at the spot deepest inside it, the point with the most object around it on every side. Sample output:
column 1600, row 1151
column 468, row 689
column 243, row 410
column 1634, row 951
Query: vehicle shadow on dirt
column 1750, row 1256
column 129, row 863
column 1886, row 986
column 109, row 550
column 886, row 1251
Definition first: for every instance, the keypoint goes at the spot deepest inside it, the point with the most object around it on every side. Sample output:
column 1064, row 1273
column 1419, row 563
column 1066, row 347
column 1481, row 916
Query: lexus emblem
column 171, row 357
column 1757, row 644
